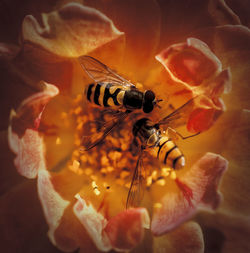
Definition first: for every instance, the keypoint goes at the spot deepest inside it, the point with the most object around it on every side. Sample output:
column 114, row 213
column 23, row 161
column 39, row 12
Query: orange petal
column 72, row 31
column 197, row 188
column 187, row 238
column 24, row 138
column 140, row 21
column 52, row 203
column 126, row 229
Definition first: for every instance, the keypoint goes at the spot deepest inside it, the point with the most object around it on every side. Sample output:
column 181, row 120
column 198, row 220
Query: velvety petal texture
column 197, row 188
column 185, row 63
column 52, row 203
column 86, row 28
column 24, row 138
column 185, row 52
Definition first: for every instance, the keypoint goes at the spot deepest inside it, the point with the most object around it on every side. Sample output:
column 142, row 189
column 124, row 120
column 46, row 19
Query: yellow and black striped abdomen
column 105, row 94
column 168, row 153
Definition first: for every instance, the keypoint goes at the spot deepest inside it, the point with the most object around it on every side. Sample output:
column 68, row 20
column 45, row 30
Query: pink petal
column 23, row 135
column 53, row 204
column 93, row 222
column 193, row 69
column 72, row 31
column 185, row 239
column 122, row 232
column 197, row 188
column 190, row 62
column 126, row 229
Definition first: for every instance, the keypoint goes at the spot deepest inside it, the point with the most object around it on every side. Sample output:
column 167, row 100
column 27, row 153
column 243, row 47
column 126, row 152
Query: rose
column 43, row 72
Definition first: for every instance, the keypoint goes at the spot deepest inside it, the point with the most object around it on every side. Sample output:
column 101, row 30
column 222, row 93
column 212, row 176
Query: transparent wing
column 98, row 130
column 99, row 72
column 136, row 190
column 179, row 116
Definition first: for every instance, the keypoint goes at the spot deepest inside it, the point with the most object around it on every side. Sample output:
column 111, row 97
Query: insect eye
column 148, row 107
column 152, row 140
column 149, row 95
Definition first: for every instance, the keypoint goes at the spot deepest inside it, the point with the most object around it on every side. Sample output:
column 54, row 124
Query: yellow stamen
column 157, row 205
column 149, row 181
column 58, row 141
column 161, row 182
column 97, row 192
column 88, row 171
column 173, row 175
column 154, row 175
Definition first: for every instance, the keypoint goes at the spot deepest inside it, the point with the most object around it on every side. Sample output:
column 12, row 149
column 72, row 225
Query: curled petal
column 187, row 238
column 29, row 113
column 126, row 229
column 122, row 232
column 93, row 222
column 193, row 69
column 197, row 188
column 76, row 28
column 186, row 61
column 52, row 203
column 29, row 150
column 23, row 136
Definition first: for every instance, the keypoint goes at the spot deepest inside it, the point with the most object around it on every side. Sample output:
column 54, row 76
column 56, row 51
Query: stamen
column 173, row 175
column 157, row 205
column 161, row 182
column 58, row 141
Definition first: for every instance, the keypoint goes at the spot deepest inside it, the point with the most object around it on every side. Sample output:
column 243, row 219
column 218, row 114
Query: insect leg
column 180, row 135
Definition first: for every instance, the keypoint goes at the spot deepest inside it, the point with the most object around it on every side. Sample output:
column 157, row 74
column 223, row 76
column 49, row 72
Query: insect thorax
column 133, row 99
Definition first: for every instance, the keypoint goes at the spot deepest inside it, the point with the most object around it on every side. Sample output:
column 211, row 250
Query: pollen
column 173, row 175
column 58, row 141
column 161, row 182
column 78, row 110
column 97, row 192
column 165, row 171
column 149, row 181
column 157, row 205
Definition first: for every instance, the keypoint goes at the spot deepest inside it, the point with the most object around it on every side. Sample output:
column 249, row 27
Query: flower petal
column 186, row 61
column 93, row 222
column 72, row 31
column 23, row 228
column 126, row 229
column 197, row 188
column 187, row 75
column 52, row 203
column 178, row 19
column 140, row 21
column 187, row 238
column 231, row 45
column 23, row 135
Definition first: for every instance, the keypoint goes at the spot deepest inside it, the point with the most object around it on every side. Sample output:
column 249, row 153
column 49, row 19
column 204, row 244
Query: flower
column 78, row 204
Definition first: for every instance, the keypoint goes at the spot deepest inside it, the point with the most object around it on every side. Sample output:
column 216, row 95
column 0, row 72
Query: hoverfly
column 111, row 91
column 149, row 137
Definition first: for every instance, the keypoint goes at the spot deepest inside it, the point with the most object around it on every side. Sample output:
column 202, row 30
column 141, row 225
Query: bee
column 149, row 137
column 111, row 91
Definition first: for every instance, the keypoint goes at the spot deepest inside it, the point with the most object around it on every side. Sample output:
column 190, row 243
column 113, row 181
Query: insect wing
column 179, row 116
column 136, row 190
column 100, row 129
column 99, row 72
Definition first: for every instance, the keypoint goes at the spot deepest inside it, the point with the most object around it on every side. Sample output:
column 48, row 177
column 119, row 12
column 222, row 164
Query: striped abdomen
column 105, row 94
column 168, row 153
